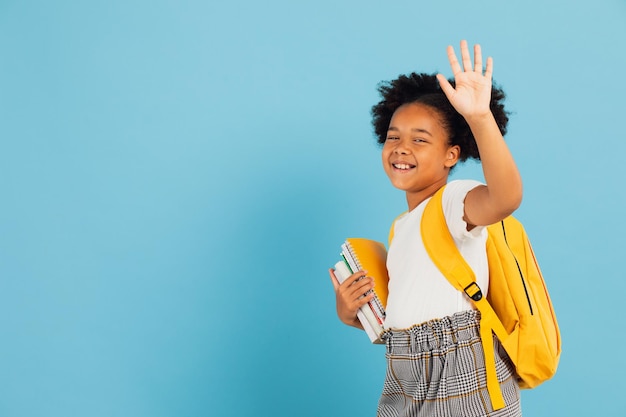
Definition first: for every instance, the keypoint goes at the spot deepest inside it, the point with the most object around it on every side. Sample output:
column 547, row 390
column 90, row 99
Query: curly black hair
column 425, row 89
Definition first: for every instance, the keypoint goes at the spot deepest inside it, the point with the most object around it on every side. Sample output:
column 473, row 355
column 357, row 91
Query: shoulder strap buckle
column 473, row 291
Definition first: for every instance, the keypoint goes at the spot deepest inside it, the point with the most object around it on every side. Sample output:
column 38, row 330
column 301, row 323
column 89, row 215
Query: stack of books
column 360, row 254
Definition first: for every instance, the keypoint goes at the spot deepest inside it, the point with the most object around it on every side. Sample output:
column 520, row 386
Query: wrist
column 479, row 118
column 355, row 322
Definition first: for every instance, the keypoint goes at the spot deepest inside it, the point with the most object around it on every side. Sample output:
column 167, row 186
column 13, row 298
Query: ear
column 452, row 156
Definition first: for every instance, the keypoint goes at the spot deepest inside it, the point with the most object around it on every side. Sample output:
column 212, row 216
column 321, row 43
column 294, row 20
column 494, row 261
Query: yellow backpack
column 517, row 308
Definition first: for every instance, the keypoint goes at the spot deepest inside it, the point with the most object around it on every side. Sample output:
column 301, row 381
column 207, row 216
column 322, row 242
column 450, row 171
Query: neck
column 414, row 199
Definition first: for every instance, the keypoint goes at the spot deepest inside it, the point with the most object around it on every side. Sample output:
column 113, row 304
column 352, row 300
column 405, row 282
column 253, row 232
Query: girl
column 426, row 126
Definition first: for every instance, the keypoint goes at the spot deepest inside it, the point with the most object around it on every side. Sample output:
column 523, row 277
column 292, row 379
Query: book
column 369, row 255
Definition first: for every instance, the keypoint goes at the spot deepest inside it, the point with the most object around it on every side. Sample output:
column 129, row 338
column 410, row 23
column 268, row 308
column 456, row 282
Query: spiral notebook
column 369, row 255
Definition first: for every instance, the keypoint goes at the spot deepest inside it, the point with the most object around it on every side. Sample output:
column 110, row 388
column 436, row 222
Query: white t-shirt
column 418, row 292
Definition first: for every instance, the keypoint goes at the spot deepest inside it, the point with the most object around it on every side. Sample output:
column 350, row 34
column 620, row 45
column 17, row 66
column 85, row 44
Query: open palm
column 472, row 91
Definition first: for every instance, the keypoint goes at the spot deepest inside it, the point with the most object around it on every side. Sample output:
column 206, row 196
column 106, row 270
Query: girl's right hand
column 351, row 295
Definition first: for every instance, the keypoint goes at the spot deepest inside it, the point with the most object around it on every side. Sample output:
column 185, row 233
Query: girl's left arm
column 471, row 95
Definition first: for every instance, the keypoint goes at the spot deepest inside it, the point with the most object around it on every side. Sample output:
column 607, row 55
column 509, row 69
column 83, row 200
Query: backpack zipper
column 518, row 269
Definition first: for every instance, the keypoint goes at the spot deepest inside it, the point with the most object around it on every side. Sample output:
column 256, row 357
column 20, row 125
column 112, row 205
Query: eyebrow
column 414, row 130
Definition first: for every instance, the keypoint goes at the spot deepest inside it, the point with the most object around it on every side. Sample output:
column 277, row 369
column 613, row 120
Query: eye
column 392, row 138
column 419, row 140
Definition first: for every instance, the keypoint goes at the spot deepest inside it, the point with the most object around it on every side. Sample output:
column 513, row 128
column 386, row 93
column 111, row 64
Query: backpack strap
column 445, row 255
column 391, row 232
column 392, row 229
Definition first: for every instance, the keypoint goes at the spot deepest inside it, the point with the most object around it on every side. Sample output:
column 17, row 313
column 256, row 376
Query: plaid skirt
column 437, row 369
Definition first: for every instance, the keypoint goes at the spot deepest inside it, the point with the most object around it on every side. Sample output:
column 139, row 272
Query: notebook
column 369, row 255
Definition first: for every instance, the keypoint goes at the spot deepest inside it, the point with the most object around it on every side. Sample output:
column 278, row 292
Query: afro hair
column 425, row 89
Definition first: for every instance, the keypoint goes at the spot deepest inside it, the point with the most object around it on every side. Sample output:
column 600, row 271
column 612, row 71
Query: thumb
column 333, row 278
column 447, row 88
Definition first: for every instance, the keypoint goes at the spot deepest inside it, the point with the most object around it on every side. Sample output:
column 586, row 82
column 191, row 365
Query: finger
column 454, row 63
column 333, row 278
column 353, row 284
column 360, row 289
column 364, row 300
column 465, row 56
column 356, row 299
column 354, row 278
column 489, row 70
column 447, row 88
column 478, row 59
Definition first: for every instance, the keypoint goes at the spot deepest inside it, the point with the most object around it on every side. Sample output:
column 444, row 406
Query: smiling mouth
column 403, row 166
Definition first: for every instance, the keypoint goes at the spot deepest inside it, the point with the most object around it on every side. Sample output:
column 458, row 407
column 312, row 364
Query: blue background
column 177, row 176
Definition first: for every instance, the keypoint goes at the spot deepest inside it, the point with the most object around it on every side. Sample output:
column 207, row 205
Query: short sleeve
column 454, row 209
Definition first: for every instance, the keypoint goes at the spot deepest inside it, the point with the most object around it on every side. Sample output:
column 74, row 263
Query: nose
column 401, row 148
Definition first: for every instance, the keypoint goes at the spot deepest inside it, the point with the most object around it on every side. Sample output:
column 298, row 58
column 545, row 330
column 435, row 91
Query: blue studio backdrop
column 176, row 178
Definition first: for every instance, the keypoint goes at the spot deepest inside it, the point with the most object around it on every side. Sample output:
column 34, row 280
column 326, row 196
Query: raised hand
column 472, row 92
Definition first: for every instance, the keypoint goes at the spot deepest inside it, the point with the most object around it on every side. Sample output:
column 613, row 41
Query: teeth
column 402, row 166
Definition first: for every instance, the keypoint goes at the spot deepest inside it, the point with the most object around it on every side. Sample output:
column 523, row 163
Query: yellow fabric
column 507, row 310
column 392, row 230
column 518, row 311
column 372, row 256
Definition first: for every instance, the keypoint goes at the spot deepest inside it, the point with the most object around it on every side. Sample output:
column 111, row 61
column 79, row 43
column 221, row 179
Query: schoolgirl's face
column 416, row 155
